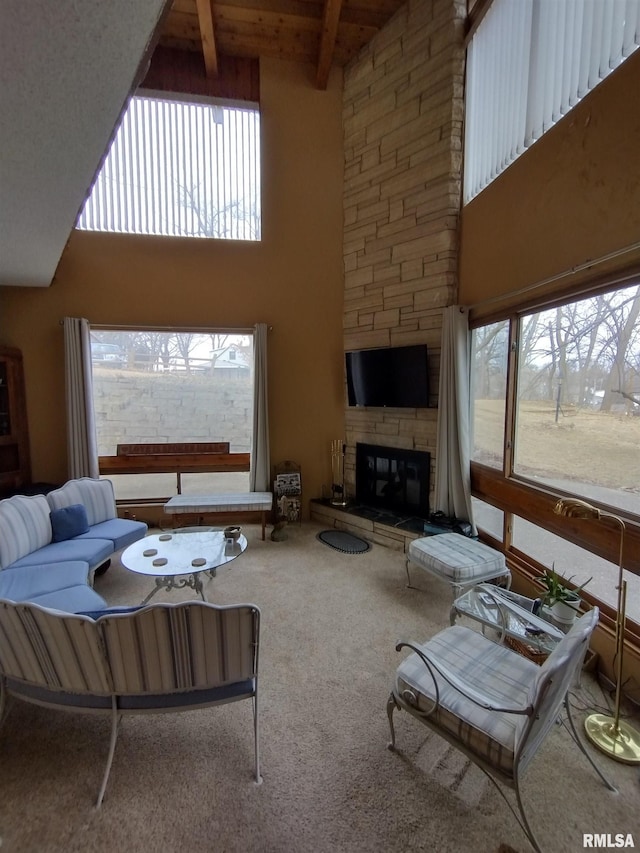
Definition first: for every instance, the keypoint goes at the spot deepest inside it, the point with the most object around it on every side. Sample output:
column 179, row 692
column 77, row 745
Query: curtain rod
column 578, row 268
column 203, row 330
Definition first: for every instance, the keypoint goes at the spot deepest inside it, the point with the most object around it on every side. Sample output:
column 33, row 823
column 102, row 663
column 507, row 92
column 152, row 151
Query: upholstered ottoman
column 457, row 559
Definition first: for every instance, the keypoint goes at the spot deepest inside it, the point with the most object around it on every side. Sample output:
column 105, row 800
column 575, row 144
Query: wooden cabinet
column 15, row 465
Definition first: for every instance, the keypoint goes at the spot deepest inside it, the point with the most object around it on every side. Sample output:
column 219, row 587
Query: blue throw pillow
column 68, row 522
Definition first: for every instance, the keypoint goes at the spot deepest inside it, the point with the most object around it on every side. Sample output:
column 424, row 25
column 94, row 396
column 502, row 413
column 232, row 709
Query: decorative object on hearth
column 337, row 473
column 611, row 735
column 340, row 540
column 287, row 491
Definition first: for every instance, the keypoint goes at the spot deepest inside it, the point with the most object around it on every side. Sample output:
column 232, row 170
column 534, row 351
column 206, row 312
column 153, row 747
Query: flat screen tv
column 394, row 377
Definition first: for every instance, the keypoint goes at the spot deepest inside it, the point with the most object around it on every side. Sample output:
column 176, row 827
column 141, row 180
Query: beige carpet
column 183, row 782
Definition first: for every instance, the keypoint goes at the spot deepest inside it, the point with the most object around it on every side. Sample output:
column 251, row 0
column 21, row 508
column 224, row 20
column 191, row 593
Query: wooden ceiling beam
column 207, row 36
column 330, row 21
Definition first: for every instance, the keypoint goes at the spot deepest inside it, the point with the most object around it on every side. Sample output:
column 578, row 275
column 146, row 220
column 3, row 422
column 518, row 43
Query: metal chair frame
column 542, row 712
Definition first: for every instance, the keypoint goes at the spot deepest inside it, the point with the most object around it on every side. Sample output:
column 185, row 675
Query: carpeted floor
column 183, row 782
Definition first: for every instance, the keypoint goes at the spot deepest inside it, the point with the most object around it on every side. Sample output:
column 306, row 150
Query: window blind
column 528, row 64
column 180, row 169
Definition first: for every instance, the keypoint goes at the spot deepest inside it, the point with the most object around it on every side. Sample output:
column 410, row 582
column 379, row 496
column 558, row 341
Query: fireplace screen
column 393, row 479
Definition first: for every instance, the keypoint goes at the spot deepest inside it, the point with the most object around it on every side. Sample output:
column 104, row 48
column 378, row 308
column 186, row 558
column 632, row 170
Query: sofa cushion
column 25, row 582
column 71, row 599
column 93, row 551
column 95, row 495
column 25, row 527
column 121, row 531
column 68, row 521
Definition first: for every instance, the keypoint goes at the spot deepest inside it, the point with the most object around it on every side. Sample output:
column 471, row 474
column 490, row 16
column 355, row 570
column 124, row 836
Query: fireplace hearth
column 392, row 482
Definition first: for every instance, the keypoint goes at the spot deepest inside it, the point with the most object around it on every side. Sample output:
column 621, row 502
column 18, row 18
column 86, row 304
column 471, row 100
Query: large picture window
column 556, row 412
column 577, row 422
column 168, row 387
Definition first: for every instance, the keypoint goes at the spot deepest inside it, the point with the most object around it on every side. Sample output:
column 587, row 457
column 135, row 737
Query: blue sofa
column 50, row 546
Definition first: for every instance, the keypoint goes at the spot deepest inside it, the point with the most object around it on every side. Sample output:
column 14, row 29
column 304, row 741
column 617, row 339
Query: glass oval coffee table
column 180, row 558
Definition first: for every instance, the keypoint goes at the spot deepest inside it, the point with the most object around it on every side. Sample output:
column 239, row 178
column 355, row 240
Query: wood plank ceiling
column 321, row 33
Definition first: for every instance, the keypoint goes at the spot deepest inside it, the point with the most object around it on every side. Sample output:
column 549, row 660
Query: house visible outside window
column 528, row 64
column 575, row 428
column 180, row 169
column 159, row 387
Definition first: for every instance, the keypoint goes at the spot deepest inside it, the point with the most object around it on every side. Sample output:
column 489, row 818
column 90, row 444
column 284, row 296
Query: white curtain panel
column 453, row 474
column 82, row 445
column 260, row 473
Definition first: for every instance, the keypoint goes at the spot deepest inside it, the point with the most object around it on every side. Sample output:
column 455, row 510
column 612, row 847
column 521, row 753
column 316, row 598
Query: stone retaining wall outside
column 135, row 406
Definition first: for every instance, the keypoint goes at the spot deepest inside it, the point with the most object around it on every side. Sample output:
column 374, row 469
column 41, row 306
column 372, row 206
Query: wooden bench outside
column 176, row 458
column 234, row 504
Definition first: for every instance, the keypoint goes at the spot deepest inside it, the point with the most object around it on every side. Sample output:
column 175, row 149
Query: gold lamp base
column 621, row 742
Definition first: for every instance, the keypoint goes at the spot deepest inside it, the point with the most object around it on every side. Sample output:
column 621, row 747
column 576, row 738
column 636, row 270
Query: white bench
column 231, row 504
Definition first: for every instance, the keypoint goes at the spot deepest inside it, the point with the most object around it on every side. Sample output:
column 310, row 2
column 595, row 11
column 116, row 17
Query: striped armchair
column 491, row 703
column 159, row 658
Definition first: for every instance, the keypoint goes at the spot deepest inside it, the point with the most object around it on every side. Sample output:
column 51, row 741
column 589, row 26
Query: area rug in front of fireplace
column 342, row 541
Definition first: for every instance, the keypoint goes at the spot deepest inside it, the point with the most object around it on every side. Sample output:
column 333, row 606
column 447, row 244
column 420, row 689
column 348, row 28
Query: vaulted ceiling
column 321, row 32
column 67, row 70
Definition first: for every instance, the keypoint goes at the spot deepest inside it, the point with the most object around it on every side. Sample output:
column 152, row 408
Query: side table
column 509, row 614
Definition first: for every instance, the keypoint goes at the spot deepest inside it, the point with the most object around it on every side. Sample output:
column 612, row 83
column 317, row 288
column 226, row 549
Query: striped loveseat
column 157, row 658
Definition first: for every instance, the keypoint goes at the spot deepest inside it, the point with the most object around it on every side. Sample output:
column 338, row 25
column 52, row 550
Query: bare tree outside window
column 578, row 397
column 182, row 169
column 489, row 383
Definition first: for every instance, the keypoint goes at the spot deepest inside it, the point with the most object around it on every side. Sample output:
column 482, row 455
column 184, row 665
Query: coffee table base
column 180, row 582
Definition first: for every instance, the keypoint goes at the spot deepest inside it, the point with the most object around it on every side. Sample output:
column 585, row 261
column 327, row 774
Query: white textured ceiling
column 66, row 70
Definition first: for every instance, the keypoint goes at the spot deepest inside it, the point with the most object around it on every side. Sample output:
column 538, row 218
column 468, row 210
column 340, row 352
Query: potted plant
column 563, row 601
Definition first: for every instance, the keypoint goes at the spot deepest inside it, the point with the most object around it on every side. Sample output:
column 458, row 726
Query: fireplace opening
column 393, row 480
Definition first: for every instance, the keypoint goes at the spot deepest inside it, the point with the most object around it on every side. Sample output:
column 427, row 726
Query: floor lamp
column 611, row 735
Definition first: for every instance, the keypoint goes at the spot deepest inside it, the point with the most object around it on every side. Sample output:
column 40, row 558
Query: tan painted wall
column 292, row 280
column 573, row 196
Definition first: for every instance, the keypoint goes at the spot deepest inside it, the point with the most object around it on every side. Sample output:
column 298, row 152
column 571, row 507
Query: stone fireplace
column 402, row 195
column 393, row 480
